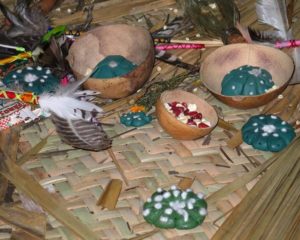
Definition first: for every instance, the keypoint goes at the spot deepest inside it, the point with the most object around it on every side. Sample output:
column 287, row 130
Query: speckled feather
column 75, row 120
column 81, row 133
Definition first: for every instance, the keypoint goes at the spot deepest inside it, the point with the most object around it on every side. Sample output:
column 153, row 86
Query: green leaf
column 55, row 32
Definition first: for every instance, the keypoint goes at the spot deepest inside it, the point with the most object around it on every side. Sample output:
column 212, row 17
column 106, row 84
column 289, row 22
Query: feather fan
column 75, row 121
column 275, row 14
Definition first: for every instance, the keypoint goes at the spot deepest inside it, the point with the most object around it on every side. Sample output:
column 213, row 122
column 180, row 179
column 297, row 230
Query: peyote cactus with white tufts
column 247, row 81
column 267, row 133
column 175, row 208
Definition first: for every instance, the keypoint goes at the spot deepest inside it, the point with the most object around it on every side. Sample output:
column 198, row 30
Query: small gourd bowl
column 176, row 128
column 132, row 42
column 224, row 59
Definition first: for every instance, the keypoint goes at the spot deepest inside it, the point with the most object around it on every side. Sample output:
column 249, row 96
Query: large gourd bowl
column 131, row 42
column 224, row 59
column 178, row 129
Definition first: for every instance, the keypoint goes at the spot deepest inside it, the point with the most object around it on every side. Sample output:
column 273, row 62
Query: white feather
column 66, row 106
column 64, row 103
column 274, row 13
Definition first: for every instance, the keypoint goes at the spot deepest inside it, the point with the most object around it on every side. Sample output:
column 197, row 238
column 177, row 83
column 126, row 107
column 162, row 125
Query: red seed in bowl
column 202, row 125
column 195, row 115
column 173, row 104
column 187, row 113
column 177, row 110
column 185, row 104
column 191, row 122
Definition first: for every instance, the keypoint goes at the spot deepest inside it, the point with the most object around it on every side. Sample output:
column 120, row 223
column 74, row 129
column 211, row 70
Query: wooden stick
column 207, row 43
column 236, row 140
column 110, row 196
column 118, row 166
column 226, row 125
column 185, row 183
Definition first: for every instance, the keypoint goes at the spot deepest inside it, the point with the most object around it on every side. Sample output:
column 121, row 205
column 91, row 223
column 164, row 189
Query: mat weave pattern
column 149, row 158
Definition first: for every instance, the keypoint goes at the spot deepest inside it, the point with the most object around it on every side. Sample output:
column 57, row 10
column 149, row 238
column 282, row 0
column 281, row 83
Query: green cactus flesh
column 35, row 79
column 135, row 119
column 267, row 133
column 175, row 208
column 247, row 81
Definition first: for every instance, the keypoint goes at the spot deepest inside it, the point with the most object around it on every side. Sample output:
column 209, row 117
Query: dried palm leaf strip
column 5, row 141
column 21, row 235
column 33, row 223
column 27, row 184
column 3, row 188
column 33, row 151
column 106, row 12
column 260, row 214
column 146, row 235
column 242, row 181
column 281, row 214
column 265, row 200
column 30, row 223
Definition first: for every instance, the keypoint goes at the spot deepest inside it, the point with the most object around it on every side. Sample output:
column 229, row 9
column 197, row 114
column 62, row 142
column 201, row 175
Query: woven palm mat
column 149, row 159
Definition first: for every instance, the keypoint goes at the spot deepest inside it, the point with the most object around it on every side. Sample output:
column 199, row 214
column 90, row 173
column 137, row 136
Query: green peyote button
column 175, row 208
column 34, row 79
column 267, row 133
column 135, row 119
column 113, row 66
column 247, row 81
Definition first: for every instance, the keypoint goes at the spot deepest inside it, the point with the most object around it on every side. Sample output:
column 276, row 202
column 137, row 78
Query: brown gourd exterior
column 224, row 59
column 174, row 127
column 133, row 43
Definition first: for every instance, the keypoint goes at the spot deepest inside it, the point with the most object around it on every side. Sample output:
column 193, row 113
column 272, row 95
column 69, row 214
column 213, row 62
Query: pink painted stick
column 288, row 44
column 173, row 46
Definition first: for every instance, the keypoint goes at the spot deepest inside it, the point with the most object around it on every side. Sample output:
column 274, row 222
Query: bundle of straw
column 271, row 210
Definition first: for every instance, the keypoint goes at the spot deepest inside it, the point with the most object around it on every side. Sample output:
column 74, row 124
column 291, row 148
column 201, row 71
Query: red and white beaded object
column 24, row 115
column 188, row 114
